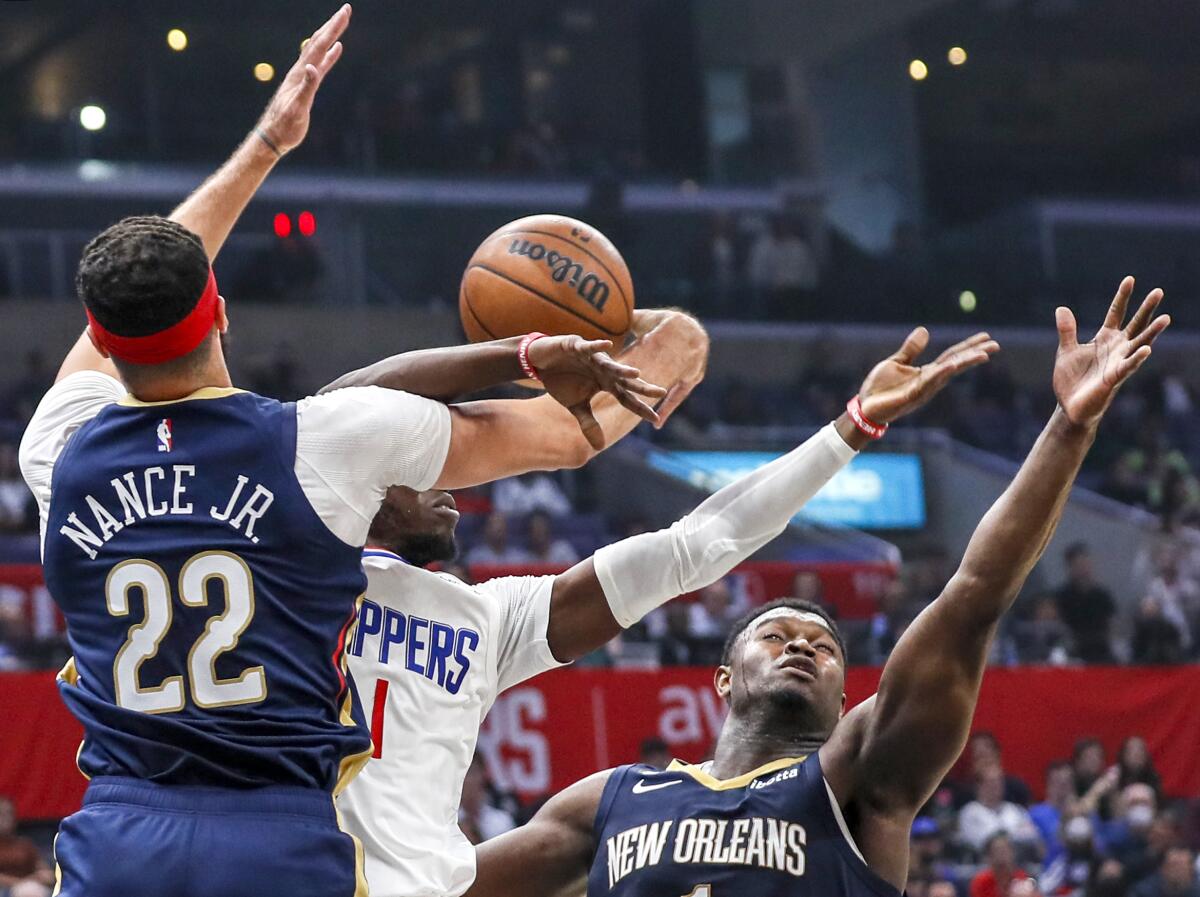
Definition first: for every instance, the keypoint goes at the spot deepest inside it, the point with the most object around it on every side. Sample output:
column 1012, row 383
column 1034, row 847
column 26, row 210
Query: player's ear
column 220, row 317
column 95, row 342
column 842, row 712
column 723, row 681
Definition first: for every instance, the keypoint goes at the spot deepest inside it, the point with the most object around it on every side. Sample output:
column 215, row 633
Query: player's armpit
column 548, row 855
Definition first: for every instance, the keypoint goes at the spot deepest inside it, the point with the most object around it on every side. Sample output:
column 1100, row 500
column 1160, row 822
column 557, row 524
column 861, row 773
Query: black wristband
column 262, row 135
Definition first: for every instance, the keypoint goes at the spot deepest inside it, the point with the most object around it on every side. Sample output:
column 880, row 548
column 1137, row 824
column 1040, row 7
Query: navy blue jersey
column 206, row 602
column 682, row 833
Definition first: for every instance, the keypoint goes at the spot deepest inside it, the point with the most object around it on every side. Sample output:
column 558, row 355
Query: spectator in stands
column 990, row 813
column 1176, row 876
column 478, row 816
column 17, row 510
column 926, row 851
column 889, row 622
column 1086, row 607
column 22, row 870
column 1136, row 764
column 1069, row 873
column 654, row 752
column 1043, row 638
column 1108, row 880
column 543, row 547
column 942, row 888
column 1131, row 814
column 459, row 571
column 783, row 267
column 676, row 647
column 1178, row 596
column 714, row 611
column 1048, row 815
column 25, row 394
column 807, row 586
column 1001, row 869
column 495, row 548
column 528, row 493
column 1142, row 854
column 984, row 750
column 1155, row 638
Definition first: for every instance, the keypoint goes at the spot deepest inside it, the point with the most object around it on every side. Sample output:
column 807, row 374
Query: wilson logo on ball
column 563, row 268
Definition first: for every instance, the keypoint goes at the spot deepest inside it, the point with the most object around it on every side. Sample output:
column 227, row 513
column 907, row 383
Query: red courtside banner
column 543, row 735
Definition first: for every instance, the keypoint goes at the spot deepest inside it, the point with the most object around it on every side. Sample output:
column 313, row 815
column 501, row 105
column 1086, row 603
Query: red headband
column 174, row 342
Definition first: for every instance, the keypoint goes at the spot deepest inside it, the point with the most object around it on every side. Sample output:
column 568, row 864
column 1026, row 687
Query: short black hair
column 142, row 275
column 798, row 604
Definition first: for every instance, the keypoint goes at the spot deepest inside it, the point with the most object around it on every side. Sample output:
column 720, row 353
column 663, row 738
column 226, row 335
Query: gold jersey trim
column 712, row 782
column 204, row 392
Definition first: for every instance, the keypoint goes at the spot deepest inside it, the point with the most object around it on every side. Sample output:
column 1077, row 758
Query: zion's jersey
column 681, row 833
column 429, row 656
column 206, row 602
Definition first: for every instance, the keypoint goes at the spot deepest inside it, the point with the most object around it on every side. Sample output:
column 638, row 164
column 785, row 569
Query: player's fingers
column 592, row 346
column 1151, row 333
column 1144, row 313
column 644, row 388
column 1116, row 311
column 323, row 38
column 1064, row 320
column 588, row 424
column 308, row 87
column 1132, row 363
column 331, row 57
column 630, row 402
column 975, row 339
column 914, row 344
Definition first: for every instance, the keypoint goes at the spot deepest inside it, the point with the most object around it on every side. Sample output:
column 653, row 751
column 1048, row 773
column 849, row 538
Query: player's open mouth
column 801, row 666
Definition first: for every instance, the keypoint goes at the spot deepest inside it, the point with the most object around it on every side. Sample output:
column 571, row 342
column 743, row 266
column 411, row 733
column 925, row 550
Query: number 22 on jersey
column 221, row 633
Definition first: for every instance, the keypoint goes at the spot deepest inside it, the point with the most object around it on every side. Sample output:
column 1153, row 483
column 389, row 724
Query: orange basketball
column 547, row 273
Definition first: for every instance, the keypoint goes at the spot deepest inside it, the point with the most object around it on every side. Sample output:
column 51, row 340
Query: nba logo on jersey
column 165, row 437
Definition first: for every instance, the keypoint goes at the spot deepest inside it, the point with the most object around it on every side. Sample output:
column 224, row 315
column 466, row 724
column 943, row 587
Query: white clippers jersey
column 429, row 656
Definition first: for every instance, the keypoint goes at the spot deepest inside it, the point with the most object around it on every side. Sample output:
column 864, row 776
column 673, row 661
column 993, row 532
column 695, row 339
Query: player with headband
column 802, row 798
column 430, row 653
column 204, row 544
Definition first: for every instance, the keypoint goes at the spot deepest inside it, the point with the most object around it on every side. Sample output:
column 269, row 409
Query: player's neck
column 747, row 744
column 171, row 387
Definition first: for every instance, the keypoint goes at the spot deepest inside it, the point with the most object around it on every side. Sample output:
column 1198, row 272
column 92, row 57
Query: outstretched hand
column 1088, row 375
column 896, row 386
column 285, row 121
column 573, row 370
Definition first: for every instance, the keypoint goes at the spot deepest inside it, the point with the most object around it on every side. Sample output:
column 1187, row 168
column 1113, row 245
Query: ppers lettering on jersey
column 771, row 832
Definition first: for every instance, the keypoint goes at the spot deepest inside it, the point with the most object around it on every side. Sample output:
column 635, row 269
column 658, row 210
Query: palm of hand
column 1086, row 375
column 896, row 386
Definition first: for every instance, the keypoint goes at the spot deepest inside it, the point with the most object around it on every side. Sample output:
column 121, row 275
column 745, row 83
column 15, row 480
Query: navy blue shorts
column 135, row 838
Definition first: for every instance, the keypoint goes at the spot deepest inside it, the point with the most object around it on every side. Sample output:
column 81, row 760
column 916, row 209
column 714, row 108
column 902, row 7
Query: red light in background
column 283, row 225
column 307, row 222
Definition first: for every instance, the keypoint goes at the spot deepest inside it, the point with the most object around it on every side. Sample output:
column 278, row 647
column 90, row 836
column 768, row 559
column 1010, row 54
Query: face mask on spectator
column 1139, row 817
column 1078, row 833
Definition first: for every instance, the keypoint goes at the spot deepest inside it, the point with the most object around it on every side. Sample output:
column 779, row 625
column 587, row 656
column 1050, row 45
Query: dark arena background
column 810, row 180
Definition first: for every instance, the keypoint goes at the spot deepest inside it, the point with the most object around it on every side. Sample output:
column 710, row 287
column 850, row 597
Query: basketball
column 546, row 273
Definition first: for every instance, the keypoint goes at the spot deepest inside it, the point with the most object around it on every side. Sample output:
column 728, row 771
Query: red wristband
column 523, row 355
column 865, row 425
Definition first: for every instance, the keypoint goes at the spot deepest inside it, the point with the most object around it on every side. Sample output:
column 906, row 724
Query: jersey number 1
column 221, row 633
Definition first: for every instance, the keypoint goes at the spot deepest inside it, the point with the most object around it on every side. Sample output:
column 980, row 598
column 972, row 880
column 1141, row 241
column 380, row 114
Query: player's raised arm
column 890, row 753
column 213, row 209
column 549, row 855
column 592, row 601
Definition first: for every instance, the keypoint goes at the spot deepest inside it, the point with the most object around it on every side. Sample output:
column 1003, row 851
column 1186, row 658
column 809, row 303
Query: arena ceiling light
column 957, row 55
column 177, row 39
column 92, row 118
column 264, row 71
column 918, row 70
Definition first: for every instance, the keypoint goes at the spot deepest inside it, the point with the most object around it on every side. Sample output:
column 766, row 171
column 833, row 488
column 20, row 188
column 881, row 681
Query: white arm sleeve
column 352, row 444
column 524, row 649
column 640, row 573
column 67, row 405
